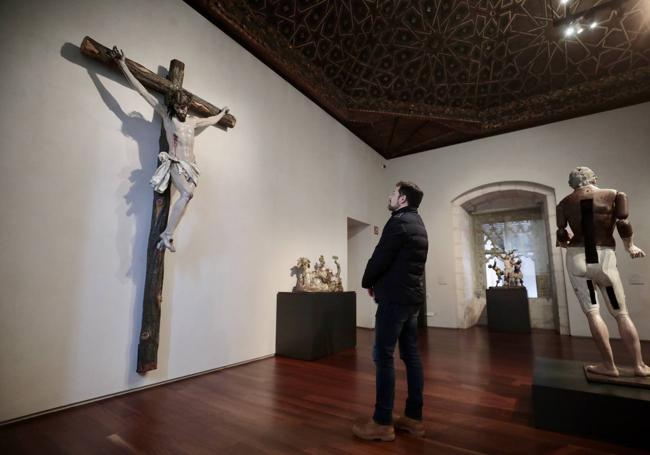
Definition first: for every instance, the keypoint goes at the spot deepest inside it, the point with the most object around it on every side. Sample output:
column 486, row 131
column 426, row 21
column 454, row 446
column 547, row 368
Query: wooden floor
column 477, row 400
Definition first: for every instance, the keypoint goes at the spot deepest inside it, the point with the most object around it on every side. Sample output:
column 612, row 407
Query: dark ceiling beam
column 419, row 110
column 371, row 116
column 413, row 133
column 360, row 116
column 462, row 127
column 429, row 143
column 593, row 96
column 390, row 138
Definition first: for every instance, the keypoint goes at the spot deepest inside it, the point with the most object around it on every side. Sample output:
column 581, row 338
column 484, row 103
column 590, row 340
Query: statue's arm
column 563, row 236
column 213, row 120
column 624, row 226
column 120, row 59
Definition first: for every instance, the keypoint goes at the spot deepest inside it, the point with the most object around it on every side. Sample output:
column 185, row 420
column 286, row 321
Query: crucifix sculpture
column 175, row 164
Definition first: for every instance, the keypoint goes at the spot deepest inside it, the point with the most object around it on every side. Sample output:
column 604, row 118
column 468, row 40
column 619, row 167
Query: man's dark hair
column 176, row 96
column 412, row 192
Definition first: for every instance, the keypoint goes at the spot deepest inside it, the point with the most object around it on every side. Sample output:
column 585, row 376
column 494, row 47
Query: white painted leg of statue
column 186, row 190
column 600, row 335
column 630, row 338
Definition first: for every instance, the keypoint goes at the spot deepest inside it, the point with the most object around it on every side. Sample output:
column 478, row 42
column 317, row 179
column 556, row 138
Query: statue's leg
column 186, row 192
column 630, row 338
column 612, row 290
column 600, row 335
column 585, row 290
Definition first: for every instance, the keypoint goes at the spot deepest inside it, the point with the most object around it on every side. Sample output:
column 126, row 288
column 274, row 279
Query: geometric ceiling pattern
column 408, row 76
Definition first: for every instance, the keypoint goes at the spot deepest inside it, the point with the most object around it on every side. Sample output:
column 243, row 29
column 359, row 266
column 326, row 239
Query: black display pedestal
column 564, row 401
column 507, row 309
column 311, row 325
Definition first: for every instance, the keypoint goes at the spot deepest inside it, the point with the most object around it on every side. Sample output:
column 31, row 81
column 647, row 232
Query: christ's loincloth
column 160, row 178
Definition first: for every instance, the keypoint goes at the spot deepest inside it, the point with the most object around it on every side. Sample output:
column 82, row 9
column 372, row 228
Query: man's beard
column 391, row 207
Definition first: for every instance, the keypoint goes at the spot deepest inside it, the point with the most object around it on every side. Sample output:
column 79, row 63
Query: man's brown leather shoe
column 371, row 430
column 415, row 427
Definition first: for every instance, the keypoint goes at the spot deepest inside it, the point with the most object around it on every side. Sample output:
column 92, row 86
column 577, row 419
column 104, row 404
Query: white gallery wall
column 78, row 149
column 615, row 144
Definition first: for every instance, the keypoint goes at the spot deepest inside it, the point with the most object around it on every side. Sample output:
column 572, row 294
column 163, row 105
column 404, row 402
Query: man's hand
column 371, row 292
column 563, row 243
column 116, row 54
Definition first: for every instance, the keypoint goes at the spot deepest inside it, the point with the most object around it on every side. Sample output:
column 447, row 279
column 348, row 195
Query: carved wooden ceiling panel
column 408, row 76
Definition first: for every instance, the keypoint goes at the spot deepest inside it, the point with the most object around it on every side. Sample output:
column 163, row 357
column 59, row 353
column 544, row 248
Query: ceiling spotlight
column 583, row 19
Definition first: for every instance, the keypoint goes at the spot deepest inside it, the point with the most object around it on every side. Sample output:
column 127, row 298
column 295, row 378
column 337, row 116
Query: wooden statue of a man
column 179, row 162
column 593, row 213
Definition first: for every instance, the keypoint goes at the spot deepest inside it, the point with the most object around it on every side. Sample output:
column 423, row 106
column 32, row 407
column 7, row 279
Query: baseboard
column 124, row 392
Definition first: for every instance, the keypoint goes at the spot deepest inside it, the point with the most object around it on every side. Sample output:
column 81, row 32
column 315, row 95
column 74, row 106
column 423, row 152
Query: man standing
column 592, row 214
column 394, row 276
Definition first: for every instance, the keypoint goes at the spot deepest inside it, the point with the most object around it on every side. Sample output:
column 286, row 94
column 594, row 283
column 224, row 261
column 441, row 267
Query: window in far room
column 501, row 231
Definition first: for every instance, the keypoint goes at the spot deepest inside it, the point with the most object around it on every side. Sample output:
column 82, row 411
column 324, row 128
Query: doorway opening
column 359, row 251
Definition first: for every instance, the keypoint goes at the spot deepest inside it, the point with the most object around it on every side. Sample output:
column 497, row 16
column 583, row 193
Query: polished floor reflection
column 477, row 400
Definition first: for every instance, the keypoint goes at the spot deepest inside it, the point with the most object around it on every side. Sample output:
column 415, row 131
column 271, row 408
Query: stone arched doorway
column 511, row 195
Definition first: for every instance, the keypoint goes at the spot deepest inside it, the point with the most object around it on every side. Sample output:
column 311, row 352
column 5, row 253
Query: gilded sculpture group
column 512, row 276
column 321, row 279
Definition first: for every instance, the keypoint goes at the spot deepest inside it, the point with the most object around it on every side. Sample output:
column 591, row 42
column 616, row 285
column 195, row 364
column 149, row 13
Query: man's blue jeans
column 393, row 323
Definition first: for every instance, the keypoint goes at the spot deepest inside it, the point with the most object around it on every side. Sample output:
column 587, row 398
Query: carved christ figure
column 179, row 163
column 592, row 214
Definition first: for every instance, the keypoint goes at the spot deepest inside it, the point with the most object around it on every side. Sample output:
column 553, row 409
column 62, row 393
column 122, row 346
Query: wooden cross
column 150, row 330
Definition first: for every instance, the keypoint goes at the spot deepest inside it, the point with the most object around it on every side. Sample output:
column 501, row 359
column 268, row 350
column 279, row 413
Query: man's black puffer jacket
column 396, row 269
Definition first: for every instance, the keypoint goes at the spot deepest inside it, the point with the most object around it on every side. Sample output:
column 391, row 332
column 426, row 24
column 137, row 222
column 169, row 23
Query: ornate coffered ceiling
column 407, row 75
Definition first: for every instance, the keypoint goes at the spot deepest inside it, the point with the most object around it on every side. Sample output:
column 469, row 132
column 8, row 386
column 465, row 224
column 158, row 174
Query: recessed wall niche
column 518, row 215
